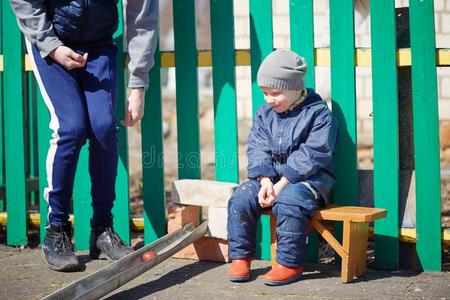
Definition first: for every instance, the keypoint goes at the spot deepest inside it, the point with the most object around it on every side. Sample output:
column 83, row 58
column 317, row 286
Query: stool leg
column 273, row 238
column 355, row 244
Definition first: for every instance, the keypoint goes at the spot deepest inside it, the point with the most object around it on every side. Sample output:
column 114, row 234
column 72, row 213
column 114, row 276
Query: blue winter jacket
column 297, row 144
column 83, row 21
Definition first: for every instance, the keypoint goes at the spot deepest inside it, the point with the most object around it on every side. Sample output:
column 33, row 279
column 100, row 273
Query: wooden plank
column 302, row 42
column 302, row 34
column 224, row 91
column 14, row 130
column 260, row 46
column 82, row 202
column 2, row 175
column 121, row 209
column 43, row 137
column 343, row 99
column 153, row 158
column 186, row 89
column 343, row 103
column 328, row 236
column 426, row 135
column 350, row 213
column 386, row 146
column 355, row 244
column 321, row 58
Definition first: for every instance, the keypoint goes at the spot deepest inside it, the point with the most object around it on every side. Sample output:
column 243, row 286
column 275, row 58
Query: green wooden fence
column 24, row 132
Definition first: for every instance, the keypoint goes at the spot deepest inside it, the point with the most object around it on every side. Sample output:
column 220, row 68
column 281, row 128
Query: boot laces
column 63, row 242
column 116, row 240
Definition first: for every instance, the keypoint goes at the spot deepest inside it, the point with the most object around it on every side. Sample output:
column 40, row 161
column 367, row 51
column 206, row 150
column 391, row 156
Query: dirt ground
column 23, row 275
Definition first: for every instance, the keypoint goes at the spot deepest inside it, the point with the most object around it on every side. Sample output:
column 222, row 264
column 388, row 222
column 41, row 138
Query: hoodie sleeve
column 317, row 151
column 34, row 24
column 142, row 37
column 259, row 152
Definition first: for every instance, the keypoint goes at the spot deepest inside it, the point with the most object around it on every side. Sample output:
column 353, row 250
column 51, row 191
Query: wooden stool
column 355, row 235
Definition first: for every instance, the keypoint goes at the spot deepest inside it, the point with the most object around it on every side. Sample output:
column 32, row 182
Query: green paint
column 14, row 131
column 186, row 89
column 426, row 135
column 261, row 45
column 121, row 209
column 302, row 42
column 153, row 158
column 43, row 137
column 385, row 119
column 224, row 87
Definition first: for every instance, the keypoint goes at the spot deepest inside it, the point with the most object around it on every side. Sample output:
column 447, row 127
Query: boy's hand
column 134, row 110
column 279, row 186
column 266, row 195
column 68, row 58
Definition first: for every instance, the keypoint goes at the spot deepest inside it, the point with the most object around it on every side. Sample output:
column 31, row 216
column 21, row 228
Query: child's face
column 280, row 100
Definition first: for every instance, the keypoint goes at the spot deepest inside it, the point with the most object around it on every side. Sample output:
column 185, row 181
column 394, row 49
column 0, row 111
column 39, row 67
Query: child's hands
column 134, row 110
column 68, row 58
column 279, row 186
column 266, row 195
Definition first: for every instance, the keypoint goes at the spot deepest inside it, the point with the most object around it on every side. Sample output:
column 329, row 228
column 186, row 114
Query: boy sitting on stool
column 290, row 168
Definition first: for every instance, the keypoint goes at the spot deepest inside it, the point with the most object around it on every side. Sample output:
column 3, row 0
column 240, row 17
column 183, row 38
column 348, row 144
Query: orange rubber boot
column 240, row 270
column 281, row 275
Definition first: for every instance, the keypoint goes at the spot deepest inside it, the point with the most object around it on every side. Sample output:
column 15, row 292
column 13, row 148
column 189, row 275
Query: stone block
column 217, row 222
column 202, row 192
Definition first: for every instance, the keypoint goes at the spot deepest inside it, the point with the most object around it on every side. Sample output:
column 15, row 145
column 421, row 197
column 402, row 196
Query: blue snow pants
column 294, row 208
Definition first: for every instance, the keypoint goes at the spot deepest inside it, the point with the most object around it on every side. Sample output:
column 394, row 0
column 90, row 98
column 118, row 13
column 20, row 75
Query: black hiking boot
column 57, row 249
column 104, row 239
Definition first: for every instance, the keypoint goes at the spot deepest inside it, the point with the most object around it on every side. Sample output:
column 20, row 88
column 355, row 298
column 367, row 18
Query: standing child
column 71, row 49
column 290, row 168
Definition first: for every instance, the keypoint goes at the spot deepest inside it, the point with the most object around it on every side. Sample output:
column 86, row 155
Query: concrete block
column 202, row 192
column 217, row 222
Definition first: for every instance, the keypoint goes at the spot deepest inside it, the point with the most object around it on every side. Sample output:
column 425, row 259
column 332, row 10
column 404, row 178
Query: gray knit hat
column 282, row 70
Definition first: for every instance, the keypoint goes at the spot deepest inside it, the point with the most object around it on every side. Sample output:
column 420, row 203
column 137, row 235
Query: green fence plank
column 386, row 146
column 302, row 34
column 343, row 99
column 2, row 159
column 261, row 44
column 31, row 134
column 82, row 208
column 121, row 209
column 426, row 135
column 343, row 102
column 186, row 89
column 153, row 158
column 224, row 89
column 14, row 131
column 302, row 42
column 43, row 137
